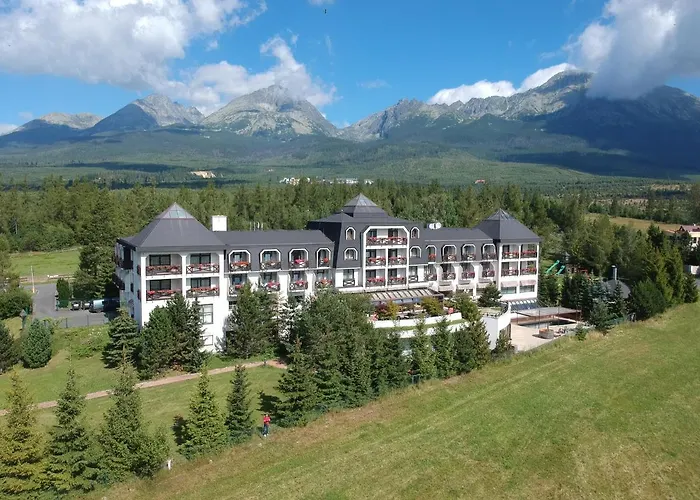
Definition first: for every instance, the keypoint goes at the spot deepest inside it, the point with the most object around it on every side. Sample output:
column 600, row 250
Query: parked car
column 104, row 305
column 75, row 305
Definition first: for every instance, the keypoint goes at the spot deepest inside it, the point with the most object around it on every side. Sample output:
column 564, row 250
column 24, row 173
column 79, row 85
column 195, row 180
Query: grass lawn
column 45, row 263
column 611, row 417
column 640, row 224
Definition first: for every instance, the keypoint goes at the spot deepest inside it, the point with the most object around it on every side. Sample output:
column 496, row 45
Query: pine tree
column 36, row 345
column 422, row 355
column 503, row 345
column 204, row 430
column 298, row 391
column 443, row 346
column 239, row 421
column 155, row 351
column 250, row 324
column 179, row 313
column 618, row 308
column 21, row 450
column 328, row 379
column 467, row 307
column 69, row 464
column 359, row 381
column 9, row 354
column 379, row 361
column 126, row 447
column 462, row 349
column 193, row 358
column 123, row 340
column 690, row 289
column 481, row 353
column 490, row 297
column 397, row 366
column 600, row 316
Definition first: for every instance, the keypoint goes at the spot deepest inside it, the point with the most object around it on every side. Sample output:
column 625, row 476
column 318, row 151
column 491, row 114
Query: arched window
column 350, row 254
column 415, row 233
column 415, row 252
column 350, row 234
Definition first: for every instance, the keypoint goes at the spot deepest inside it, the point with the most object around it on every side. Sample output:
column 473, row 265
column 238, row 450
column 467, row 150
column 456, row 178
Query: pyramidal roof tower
column 503, row 227
column 362, row 206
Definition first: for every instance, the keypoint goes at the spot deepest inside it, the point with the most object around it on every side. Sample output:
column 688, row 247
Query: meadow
column 640, row 224
column 609, row 417
column 43, row 264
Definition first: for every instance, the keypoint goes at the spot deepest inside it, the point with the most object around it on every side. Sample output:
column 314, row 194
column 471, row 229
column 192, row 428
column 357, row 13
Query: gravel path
column 163, row 381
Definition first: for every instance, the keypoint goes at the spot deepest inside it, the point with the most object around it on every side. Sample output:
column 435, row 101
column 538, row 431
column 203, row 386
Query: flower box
column 489, row 256
column 270, row 264
column 271, row 286
column 468, row 256
column 160, row 294
column 509, row 272
column 468, row 275
column 511, row 255
column 241, row 265
column 449, row 276
column 529, row 270
column 158, row 270
column 431, row 277
column 488, row 274
column 397, row 280
column 529, row 253
column 324, row 283
column 397, row 260
column 298, row 285
column 348, row 282
column 375, row 281
column 376, row 261
column 432, row 257
column 324, row 262
column 204, row 291
column 449, row 257
column 202, row 268
column 299, row 263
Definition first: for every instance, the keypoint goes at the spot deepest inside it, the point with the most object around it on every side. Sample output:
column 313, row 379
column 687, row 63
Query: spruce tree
column 179, row 313
column 618, row 308
column 328, row 379
column 481, row 350
column 69, row 461
column 377, row 346
column 250, row 324
column 422, row 355
column 21, row 450
column 155, row 351
column 503, row 345
column 600, row 316
column 123, row 340
column 359, row 381
column 443, row 346
column 397, row 365
column 36, row 345
column 9, row 354
column 298, row 391
column 204, row 431
column 239, row 420
column 193, row 358
column 490, row 297
column 690, row 289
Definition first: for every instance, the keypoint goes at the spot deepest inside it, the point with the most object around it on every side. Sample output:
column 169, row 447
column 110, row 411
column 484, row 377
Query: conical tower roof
column 360, row 205
column 502, row 226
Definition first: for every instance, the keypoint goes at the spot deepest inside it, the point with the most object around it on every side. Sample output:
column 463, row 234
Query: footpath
column 165, row 381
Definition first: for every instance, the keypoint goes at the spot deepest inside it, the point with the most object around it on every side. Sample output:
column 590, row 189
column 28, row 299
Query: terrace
column 162, row 265
column 298, row 259
column 510, row 252
column 386, row 237
column 323, row 258
column 203, row 291
column 530, row 268
column 376, row 261
column 488, row 271
column 269, row 282
column 239, row 261
column 324, row 283
column 201, row 263
column 270, row 259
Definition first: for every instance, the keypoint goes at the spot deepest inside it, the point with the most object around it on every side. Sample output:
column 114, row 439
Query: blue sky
column 357, row 58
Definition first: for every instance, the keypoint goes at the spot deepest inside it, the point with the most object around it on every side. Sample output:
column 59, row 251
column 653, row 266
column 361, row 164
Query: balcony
column 397, row 280
column 432, row 257
column 468, row 257
column 431, row 277
column 270, row 264
column 298, row 285
column 202, row 268
column 413, row 279
column 271, row 286
column 386, row 240
column 467, row 275
column 326, row 283
column 449, row 257
column 161, row 294
column 375, row 281
column 489, row 255
column 324, row 262
column 449, row 276
column 241, row 265
column 488, row 273
column 203, row 291
column 234, row 289
column 376, row 261
column 123, row 264
column 298, row 264
column 350, row 282
column 511, row 255
column 397, row 261
column 509, row 272
column 529, row 253
column 163, row 270
column 528, row 271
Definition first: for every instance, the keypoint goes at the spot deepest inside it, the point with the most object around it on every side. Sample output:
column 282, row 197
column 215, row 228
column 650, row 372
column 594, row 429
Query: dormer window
column 350, row 234
column 350, row 254
column 415, row 252
column 415, row 233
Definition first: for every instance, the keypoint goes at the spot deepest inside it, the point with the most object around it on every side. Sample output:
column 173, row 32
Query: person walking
column 266, row 425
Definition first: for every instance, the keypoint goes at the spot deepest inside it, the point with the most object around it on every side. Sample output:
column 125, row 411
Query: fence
column 78, row 321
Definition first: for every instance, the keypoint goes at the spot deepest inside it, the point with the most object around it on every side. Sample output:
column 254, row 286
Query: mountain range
column 556, row 123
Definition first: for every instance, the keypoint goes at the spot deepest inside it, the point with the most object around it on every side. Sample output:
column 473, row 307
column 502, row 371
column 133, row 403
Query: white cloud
column 212, row 45
column 639, row 45
column 485, row 88
column 329, row 44
column 341, row 124
column 6, row 128
column 25, row 115
column 321, row 2
column 373, row 84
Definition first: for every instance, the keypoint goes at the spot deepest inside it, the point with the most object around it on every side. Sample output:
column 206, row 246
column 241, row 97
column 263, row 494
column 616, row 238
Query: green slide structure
column 551, row 267
column 561, row 270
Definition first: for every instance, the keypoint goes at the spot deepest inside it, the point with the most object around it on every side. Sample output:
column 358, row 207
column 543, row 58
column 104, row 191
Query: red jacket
column 266, row 420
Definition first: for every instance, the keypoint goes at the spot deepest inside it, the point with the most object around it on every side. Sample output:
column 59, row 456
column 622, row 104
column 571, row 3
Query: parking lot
column 45, row 307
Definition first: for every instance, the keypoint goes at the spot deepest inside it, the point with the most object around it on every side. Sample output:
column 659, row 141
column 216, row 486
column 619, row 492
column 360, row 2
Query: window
column 393, row 273
column 350, row 254
column 269, row 256
column 372, row 233
column 415, row 252
column 431, row 250
column 200, row 283
column 297, row 276
column 209, row 340
column 348, row 274
column 393, row 233
column 415, row 233
column 200, row 258
column 527, row 288
column 206, row 314
column 237, row 279
column 268, row 277
column 371, row 274
column 413, row 271
column 159, row 285
column 371, row 254
column 159, row 260
column 393, row 252
column 509, row 290
column 231, row 305
column 350, row 234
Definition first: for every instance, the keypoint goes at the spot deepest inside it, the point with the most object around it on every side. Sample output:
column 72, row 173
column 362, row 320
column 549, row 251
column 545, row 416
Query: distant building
column 693, row 231
column 204, row 174
column 359, row 249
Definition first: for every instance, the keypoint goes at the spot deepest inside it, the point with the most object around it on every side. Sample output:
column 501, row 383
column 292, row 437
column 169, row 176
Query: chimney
column 219, row 223
column 614, row 272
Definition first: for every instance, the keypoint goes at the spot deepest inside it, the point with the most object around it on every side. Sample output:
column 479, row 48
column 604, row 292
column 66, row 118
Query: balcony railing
column 349, row 282
column 160, row 294
column 449, row 276
column 299, row 263
column 467, row 275
column 202, row 268
column 529, row 253
column 270, row 264
column 162, row 270
column 489, row 255
column 432, row 257
column 431, row 277
column 468, row 257
column 386, row 240
column 528, row 271
column 234, row 289
column 376, row 261
column 118, row 282
column 203, row 291
column 240, row 265
column 449, row 257
column 324, row 283
column 271, row 286
column 324, row 262
column 397, row 261
column 488, row 273
column 511, row 255
column 413, row 279
column 397, row 280
column 509, row 272
column 298, row 285
column 375, row 281
column 122, row 263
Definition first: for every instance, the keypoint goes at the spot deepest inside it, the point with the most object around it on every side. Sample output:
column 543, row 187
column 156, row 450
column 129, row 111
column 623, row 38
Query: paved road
column 45, row 307
column 164, row 381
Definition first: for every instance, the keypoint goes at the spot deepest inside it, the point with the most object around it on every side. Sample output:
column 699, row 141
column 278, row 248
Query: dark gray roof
column 502, row 226
column 243, row 239
column 456, row 234
column 610, row 285
column 174, row 229
column 362, row 206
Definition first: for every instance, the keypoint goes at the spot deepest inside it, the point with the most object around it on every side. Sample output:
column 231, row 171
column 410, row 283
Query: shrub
column 13, row 302
column 432, row 306
column 63, row 290
column 36, row 345
column 580, row 333
column 91, row 342
column 490, row 297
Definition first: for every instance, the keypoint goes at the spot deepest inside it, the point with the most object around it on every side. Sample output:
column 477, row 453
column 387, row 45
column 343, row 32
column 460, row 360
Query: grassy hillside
column 45, row 263
column 641, row 224
column 613, row 417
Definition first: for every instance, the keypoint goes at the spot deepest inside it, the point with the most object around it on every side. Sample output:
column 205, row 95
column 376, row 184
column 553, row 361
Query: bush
column 91, row 342
column 63, row 290
column 580, row 333
column 9, row 355
column 36, row 345
column 389, row 310
column 432, row 306
column 647, row 300
column 13, row 302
